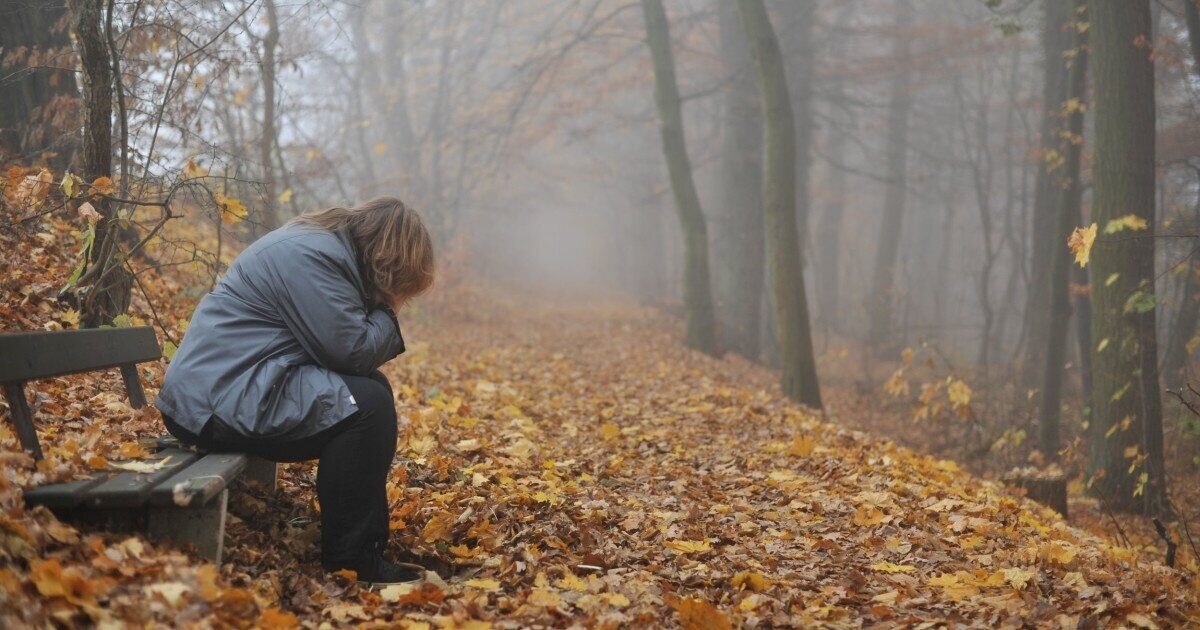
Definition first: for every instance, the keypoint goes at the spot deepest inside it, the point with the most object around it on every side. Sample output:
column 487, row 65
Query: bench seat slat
column 132, row 489
column 63, row 495
column 201, row 481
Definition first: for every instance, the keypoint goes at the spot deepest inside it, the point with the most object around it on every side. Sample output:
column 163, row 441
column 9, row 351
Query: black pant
column 355, row 458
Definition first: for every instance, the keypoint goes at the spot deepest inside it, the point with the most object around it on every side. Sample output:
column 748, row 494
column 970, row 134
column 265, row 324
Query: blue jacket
column 263, row 351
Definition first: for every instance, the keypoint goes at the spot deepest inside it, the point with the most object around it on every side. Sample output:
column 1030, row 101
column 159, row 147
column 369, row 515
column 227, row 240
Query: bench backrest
column 32, row 355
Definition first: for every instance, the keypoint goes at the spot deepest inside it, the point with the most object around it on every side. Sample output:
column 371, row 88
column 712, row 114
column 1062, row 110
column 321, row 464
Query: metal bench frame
column 183, row 503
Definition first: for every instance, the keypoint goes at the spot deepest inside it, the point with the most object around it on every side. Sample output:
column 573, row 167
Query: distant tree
column 883, row 283
column 1188, row 316
column 1057, row 40
column 266, row 143
column 697, row 291
column 1126, row 462
column 738, row 242
column 1069, row 193
column 783, row 243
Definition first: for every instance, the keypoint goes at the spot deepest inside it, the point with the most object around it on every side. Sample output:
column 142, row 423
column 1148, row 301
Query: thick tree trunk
column 1057, row 39
column 738, row 243
column 697, row 291
column 28, row 94
column 883, row 281
column 106, row 285
column 266, row 144
column 783, row 242
column 1127, row 434
column 1069, row 192
column 799, row 53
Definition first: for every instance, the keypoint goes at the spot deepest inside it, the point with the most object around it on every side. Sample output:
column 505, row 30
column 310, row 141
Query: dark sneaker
column 374, row 569
column 384, row 572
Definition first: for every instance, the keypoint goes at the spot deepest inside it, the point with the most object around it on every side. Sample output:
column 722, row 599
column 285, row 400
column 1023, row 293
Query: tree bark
column 899, row 107
column 1069, row 189
column 697, row 292
column 1057, row 40
column 28, row 95
column 799, row 380
column 1127, row 435
column 738, row 243
column 266, row 143
column 106, row 292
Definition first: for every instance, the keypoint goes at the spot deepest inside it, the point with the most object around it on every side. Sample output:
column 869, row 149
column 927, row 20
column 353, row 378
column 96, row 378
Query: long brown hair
column 393, row 246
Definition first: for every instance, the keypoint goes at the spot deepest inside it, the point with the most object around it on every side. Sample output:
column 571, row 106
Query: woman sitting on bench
column 281, row 361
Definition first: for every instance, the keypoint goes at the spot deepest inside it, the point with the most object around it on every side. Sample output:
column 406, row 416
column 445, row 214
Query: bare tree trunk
column 739, row 272
column 266, row 144
column 1057, row 40
column 106, row 285
column 1127, row 407
column 697, row 292
column 1070, row 191
column 899, row 107
column 361, row 77
column 783, row 241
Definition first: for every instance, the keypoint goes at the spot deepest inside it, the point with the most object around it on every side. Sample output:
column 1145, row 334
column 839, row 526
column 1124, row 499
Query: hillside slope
column 565, row 463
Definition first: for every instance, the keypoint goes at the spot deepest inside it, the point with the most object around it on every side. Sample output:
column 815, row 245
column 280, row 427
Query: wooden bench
column 182, row 500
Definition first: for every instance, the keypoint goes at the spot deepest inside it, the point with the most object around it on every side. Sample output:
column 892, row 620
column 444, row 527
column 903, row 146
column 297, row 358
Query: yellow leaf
column 1080, row 242
column 617, row 599
column 888, row 567
column 610, row 431
column 232, row 210
column 285, row 196
column 688, row 546
column 959, row 394
column 1128, row 222
column 868, row 516
column 483, row 585
column 1018, row 578
column 1056, row 553
column 545, row 597
column 571, row 582
column 802, row 446
column 756, row 582
column 69, row 316
column 946, row 580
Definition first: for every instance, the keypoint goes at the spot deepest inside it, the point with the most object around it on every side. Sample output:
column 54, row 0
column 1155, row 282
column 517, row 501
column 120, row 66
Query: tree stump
column 1046, row 487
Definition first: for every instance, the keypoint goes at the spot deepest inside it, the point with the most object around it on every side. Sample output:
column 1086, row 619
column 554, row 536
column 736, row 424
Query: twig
column 1165, row 535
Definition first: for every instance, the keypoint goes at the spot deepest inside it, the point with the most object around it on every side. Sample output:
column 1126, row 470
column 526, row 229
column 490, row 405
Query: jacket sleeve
column 319, row 301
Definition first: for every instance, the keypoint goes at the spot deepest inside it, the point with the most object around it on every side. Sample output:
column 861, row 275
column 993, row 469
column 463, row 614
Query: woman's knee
column 376, row 408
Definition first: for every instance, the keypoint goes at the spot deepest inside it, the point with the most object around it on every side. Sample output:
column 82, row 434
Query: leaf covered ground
column 563, row 463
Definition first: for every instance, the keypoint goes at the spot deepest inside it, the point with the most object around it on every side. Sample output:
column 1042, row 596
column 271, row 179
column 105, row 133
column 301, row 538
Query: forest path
column 569, row 463
column 590, row 467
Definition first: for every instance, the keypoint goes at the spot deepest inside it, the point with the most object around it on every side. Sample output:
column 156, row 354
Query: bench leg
column 263, row 472
column 202, row 527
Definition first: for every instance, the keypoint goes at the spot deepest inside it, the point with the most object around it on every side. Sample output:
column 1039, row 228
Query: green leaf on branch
column 1140, row 302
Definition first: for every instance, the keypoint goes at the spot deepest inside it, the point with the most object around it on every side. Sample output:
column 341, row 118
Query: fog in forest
column 824, row 188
